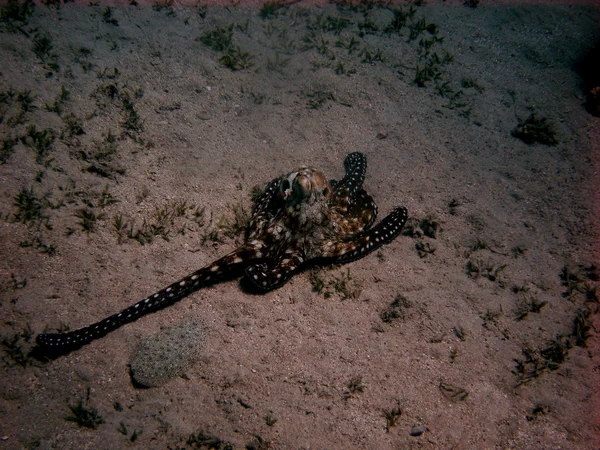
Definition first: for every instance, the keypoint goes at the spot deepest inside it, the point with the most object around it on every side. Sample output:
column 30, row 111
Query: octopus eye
column 302, row 185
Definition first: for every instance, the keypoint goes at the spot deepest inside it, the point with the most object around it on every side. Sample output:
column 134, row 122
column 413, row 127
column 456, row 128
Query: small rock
column 418, row 430
column 168, row 354
column 382, row 134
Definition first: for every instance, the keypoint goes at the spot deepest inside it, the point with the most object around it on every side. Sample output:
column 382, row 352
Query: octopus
column 299, row 219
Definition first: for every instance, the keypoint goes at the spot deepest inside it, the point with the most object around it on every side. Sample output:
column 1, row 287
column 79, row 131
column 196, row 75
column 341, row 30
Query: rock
column 168, row 354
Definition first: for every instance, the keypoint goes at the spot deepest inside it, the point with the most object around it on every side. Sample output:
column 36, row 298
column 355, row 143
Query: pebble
column 418, row 430
column 203, row 115
column 382, row 134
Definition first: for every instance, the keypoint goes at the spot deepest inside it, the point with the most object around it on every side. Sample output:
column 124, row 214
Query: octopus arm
column 272, row 273
column 367, row 241
column 364, row 208
column 223, row 268
column 355, row 166
column 268, row 199
column 266, row 207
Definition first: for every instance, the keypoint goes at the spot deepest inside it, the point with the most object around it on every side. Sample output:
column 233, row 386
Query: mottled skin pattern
column 299, row 217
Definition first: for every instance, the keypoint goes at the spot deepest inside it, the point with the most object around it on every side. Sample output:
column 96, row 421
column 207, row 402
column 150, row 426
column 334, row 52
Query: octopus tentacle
column 218, row 270
column 268, row 199
column 364, row 207
column 266, row 207
column 355, row 165
column 361, row 245
column 271, row 274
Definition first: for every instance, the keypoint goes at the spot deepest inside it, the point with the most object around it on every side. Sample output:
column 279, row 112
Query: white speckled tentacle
column 270, row 274
column 384, row 232
column 266, row 199
column 355, row 165
column 214, row 272
column 366, row 206
column 266, row 207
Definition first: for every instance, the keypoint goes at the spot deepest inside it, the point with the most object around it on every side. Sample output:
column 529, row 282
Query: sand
column 157, row 132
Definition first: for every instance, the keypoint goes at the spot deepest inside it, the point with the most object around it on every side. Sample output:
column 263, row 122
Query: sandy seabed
column 132, row 137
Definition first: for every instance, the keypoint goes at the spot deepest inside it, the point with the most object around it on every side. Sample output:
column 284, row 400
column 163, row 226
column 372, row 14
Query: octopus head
column 305, row 185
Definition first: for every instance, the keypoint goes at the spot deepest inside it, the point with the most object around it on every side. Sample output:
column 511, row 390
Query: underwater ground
column 132, row 139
